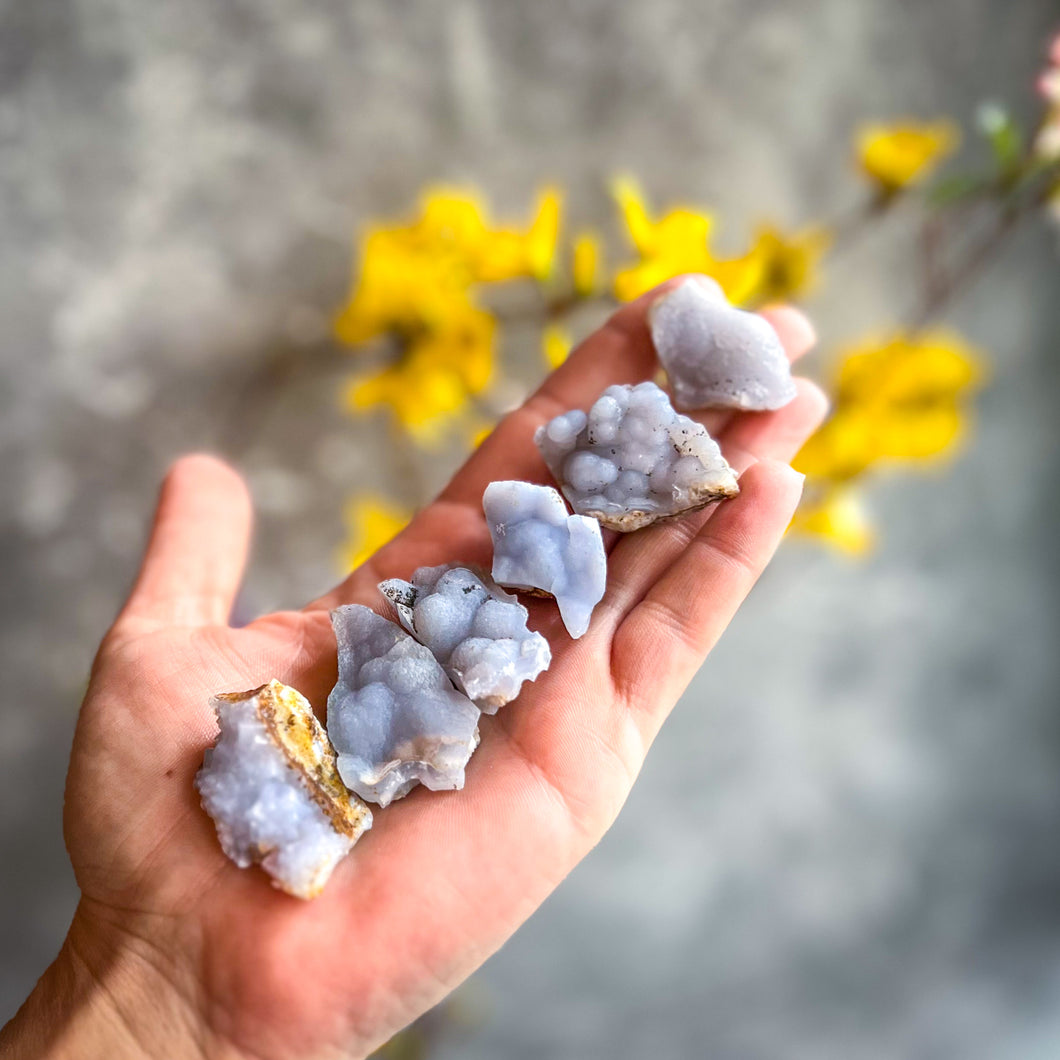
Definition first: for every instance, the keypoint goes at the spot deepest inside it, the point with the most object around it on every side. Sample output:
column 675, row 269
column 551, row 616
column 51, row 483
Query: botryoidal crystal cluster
column 271, row 786
column 632, row 459
column 394, row 717
column 474, row 628
column 408, row 701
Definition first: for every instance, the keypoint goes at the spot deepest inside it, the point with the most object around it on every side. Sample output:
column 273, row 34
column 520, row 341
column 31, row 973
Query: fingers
column 665, row 638
column 797, row 334
column 639, row 559
column 198, row 547
column 775, row 435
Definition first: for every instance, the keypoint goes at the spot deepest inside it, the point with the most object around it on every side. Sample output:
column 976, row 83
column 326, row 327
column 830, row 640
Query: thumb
column 198, row 547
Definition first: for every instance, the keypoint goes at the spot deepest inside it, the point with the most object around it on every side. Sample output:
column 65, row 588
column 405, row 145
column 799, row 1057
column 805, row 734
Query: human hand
column 176, row 952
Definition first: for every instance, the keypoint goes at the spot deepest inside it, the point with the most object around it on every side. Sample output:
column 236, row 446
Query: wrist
column 107, row 997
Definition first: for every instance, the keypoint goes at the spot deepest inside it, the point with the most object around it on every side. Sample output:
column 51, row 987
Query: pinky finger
column 665, row 638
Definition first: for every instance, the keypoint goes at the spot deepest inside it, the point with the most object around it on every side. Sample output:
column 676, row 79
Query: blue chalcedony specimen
column 716, row 355
column 271, row 786
column 474, row 628
column 632, row 459
column 537, row 545
column 394, row 716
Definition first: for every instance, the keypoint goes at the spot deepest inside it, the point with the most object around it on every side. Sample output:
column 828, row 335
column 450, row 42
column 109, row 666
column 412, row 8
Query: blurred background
column 843, row 843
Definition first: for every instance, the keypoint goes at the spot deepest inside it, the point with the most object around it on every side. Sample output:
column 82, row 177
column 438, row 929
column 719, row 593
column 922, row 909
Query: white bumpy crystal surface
column 716, row 355
column 474, row 628
column 268, row 802
column 394, row 716
column 632, row 459
column 537, row 545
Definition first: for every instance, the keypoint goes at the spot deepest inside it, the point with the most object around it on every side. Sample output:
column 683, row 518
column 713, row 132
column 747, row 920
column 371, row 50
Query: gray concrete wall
column 843, row 844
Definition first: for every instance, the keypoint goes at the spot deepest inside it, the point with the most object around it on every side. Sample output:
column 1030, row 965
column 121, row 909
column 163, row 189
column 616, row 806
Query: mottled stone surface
column 716, row 355
column 474, row 628
column 394, row 717
column 537, row 545
column 271, row 786
column 633, row 460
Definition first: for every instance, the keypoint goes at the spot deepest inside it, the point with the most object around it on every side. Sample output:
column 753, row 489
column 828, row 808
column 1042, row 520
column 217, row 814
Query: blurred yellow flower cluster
column 900, row 154
column 903, row 398
column 418, row 293
column 676, row 242
column 417, row 284
column 775, row 267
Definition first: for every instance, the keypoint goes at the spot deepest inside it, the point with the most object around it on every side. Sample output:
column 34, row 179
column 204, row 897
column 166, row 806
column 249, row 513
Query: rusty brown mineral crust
column 290, row 721
column 637, row 519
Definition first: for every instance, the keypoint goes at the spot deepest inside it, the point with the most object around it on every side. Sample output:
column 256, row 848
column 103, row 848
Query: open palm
column 443, row 879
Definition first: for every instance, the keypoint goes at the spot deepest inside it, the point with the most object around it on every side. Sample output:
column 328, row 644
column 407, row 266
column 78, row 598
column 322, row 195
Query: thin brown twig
column 1007, row 220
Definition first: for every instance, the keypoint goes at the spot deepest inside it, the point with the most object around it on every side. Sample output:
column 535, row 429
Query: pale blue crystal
column 270, row 785
column 632, row 459
column 538, row 545
column 716, row 355
column 394, row 717
column 475, row 629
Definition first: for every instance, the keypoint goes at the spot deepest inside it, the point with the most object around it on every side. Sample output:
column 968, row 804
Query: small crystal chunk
column 632, row 459
column 538, row 546
column 271, row 786
column 716, row 355
column 394, row 717
column 475, row 629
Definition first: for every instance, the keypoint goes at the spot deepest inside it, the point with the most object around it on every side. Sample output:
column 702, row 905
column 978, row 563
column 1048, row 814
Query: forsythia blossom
column 585, row 264
column 898, row 155
column 836, row 515
column 899, row 399
column 434, row 377
column 677, row 242
column 556, row 344
column 788, row 265
column 417, row 284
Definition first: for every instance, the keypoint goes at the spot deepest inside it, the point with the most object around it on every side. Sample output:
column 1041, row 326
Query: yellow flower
column 420, row 274
column 434, row 377
column 585, row 264
column 677, row 242
column 900, row 154
column 555, row 345
column 836, row 516
column 372, row 522
column 401, row 288
column 899, row 399
column 789, row 263
column 457, row 223
column 417, row 282
column 542, row 238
